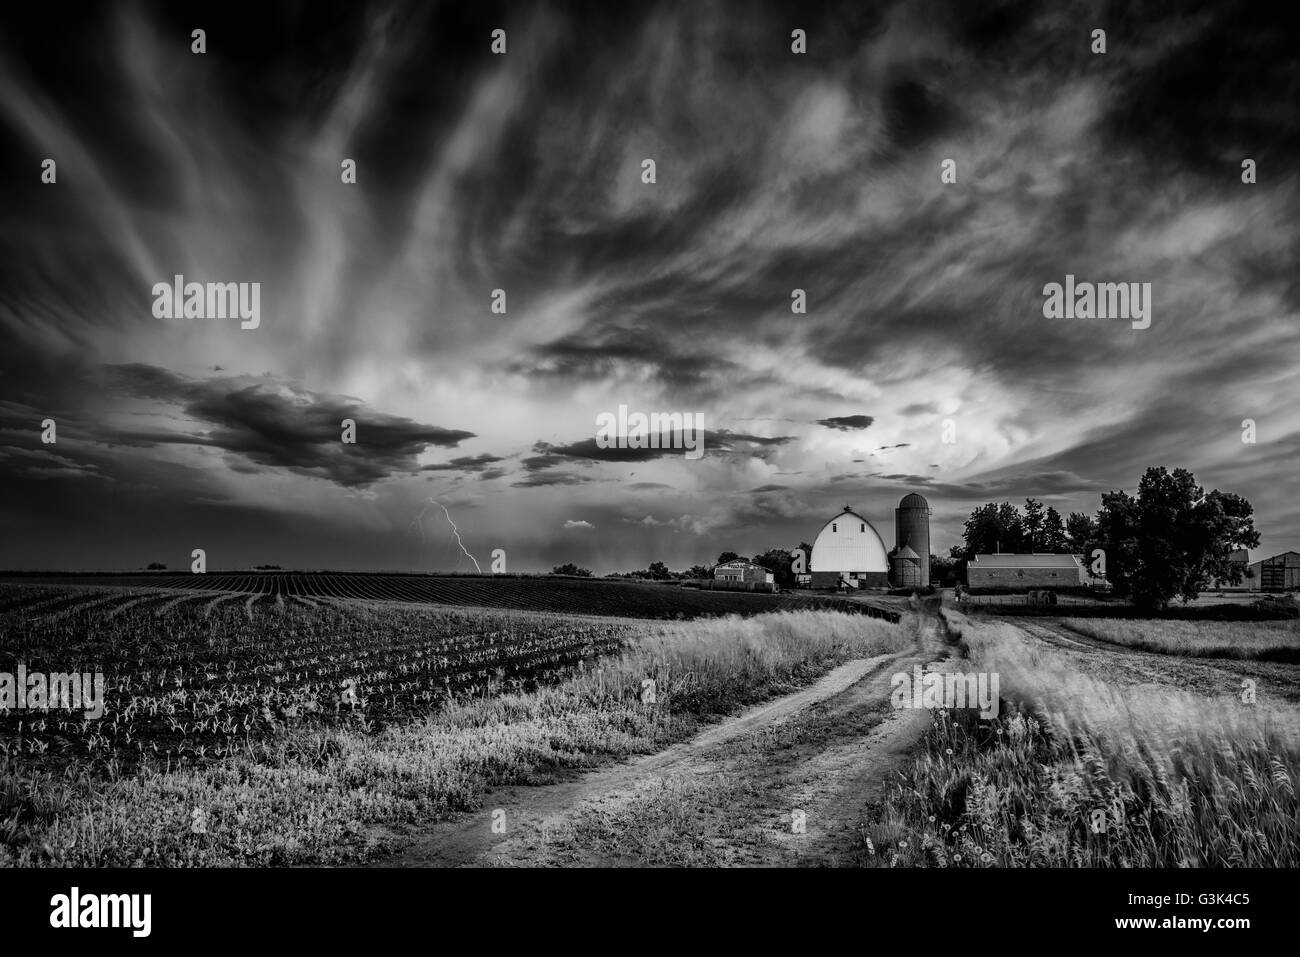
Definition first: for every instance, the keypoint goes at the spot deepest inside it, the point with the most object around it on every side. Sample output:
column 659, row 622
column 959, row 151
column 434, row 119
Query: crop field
column 265, row 729
column 573, row 596
column 190, row 676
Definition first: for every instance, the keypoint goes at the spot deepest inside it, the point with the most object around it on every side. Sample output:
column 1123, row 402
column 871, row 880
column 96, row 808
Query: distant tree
column 658, row 571
column 568, row 568
column 1011, row 529
column 957, row 555
column 1053, row 534
column 1080, row 533
column 727, row 557
column 993, row 528
column 157, row 567
column 1173, row 539
column 698, row 571
column 1033, row 525
column 780, row 563
column 943, row 570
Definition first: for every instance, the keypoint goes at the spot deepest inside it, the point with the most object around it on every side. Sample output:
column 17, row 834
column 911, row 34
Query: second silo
column 912, row 530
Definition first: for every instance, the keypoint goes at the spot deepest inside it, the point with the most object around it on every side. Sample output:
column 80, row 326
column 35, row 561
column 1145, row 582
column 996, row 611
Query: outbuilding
column 1026, row 571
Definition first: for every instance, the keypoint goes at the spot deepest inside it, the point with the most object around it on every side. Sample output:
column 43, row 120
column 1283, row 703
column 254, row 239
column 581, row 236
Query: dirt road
column 1118, row 665
column 787, row 782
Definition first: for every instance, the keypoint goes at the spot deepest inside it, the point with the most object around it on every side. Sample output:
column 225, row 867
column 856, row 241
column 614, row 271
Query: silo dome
column 912, row 500
column 848, row 543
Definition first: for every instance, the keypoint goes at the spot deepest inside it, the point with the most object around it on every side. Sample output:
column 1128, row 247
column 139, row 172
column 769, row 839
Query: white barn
column 848, row 549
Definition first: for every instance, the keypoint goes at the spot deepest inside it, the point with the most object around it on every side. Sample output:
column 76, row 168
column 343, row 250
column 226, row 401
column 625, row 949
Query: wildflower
column 198, row 821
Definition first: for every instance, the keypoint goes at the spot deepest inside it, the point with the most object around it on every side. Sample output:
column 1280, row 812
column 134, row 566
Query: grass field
column 1254, row 640
column 1208, row 607
column 225, row 741
column 1089, row 774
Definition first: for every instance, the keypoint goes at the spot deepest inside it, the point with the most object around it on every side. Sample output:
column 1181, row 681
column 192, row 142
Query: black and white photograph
column 692, row 437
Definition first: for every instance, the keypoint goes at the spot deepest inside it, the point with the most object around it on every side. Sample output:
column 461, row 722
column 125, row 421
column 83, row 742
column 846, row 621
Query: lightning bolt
column 454, row 529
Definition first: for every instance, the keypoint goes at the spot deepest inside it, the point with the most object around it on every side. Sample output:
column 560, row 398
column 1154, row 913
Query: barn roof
column 1287, row 558
column 1005, row 560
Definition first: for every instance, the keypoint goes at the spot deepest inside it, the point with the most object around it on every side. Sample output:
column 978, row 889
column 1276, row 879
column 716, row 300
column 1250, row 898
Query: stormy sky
column 523, row 172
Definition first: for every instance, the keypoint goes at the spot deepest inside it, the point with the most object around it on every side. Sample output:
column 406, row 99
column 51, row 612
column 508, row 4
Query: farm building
column 1279, row 573
column 742, row 570
column 1026, row 571
column 849, row 550
column 909, row 563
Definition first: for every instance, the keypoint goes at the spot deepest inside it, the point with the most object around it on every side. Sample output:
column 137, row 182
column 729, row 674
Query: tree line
column 1171, row 540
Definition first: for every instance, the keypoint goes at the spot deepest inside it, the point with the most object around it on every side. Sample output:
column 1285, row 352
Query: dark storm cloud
column 671, row 445
column 599, row 352
column 274, row 426
column 846, row 423
column 467, row 463
column 919, row 408
column 544, row 479
column 590, row 451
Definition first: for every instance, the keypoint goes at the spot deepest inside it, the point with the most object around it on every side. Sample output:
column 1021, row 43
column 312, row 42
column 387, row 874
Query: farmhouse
column 1279, row 573
column 742, row 570
column 1025, row 571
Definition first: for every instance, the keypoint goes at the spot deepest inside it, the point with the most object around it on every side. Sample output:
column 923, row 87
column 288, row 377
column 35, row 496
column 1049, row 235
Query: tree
column 568, row 568
column 1033, row 525
column 1054, row 540
column 780, row 563
column 727, row 557
column 658, row 571
column 698, row 571
column 1080, row 533
column 157, row 567
column 992, row 528
column 1173, row 538
column 943, row 571
column 1011, row 526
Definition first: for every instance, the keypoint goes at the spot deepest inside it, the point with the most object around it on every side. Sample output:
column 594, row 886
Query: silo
column 912, row 530
column 905, row 568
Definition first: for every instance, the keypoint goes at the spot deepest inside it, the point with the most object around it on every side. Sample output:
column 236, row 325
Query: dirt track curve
column 729, row 796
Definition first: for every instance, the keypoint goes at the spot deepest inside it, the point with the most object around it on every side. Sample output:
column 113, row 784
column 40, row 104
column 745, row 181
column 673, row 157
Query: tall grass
column 1257, row 640
column 1082, row 773
column 316, row 797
